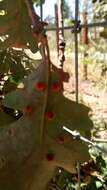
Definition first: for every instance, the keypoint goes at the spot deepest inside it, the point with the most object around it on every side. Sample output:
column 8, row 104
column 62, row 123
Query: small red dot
column 60, row 139
column 56, row 87
column 49, row 115
column 50, row 156
column 28, row 109
column 40, row 86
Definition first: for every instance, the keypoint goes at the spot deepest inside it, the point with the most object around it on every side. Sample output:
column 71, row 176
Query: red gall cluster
column 41, row 86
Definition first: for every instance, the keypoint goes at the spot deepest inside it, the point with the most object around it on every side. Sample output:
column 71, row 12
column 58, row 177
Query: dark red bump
column 50, row 156
column 28, row 109
column 40, row 86
column 56, row 87
column 49, row 115
column 60, row 139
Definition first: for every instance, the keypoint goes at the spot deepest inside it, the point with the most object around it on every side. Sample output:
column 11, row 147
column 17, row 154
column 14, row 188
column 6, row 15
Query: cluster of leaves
column 30, row 100
column 11, row 63
column 14, row 66
column 100, row 12
column 93, row 176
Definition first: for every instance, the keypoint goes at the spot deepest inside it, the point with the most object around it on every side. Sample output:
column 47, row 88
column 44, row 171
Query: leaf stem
column 48, row 64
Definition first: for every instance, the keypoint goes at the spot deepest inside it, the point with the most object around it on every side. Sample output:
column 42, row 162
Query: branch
column 78, row 136
column 99, row 140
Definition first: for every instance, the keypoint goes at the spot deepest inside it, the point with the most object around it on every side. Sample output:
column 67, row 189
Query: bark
column 61, row 34
column 57, row 28
column 85, row 41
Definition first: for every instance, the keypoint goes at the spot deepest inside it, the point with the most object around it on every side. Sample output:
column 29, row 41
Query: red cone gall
column 40, row 86
column 28, row 109
column 49, row 115
column 50, row 156
column 56, row 87
column 60, row 139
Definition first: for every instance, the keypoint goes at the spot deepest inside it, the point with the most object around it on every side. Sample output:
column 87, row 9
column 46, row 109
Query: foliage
column 24, row 163
column 100, row 9
column 93, row 176
column 14, row 66
column 100, row 12
column 66, row 10
column 37, row 136
column 10, row 62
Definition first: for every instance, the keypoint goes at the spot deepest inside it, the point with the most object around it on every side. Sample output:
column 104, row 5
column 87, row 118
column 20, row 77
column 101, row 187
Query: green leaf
column 12, row 100
column 98, row 184
column 15, row 79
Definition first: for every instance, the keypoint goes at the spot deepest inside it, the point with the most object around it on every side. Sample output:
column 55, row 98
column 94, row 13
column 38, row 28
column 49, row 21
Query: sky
column 48, row 7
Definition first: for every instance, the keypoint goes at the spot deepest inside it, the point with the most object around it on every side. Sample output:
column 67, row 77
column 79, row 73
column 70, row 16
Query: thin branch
column 78, row 136
column 99, row 140
column 47, row 62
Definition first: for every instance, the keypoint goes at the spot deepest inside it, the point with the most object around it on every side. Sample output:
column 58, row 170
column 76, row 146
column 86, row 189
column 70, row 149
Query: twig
column 78, row 136
column 99, row 140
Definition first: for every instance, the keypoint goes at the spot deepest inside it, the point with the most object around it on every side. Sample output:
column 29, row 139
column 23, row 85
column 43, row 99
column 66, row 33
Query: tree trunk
column 61, row 34
column 85, row 41
column 57, row 28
